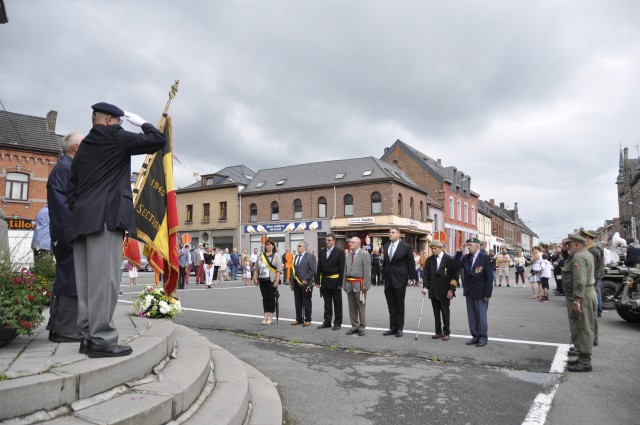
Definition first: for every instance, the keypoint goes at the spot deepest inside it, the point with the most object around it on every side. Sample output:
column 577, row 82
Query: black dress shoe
column 84, row 346
column 471, row 342
column 579, row 367
column 481, row 343
column 389, row 332
column 109, row 351
column 324, row 325
column 56, row 337
column 399, row 334
column 361, row 332
column 337, row 327
column 351, row 331
column 572, row 362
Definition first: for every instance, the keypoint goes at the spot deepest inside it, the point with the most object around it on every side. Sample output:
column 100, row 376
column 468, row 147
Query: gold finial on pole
column 172, row 94
column 161, row 124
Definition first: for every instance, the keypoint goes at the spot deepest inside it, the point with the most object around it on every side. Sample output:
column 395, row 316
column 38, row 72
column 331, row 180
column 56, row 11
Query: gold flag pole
column 161, row 124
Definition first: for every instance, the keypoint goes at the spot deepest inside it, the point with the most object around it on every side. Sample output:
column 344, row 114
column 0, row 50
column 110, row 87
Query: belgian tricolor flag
column 157, row 214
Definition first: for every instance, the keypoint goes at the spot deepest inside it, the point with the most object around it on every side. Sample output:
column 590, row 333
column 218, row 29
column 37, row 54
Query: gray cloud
column 531, row 100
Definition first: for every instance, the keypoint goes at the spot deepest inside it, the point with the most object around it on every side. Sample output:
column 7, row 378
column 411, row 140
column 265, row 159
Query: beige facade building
column 209, row 210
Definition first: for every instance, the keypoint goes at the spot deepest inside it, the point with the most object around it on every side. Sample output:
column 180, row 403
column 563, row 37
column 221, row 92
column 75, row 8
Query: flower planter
column 6, row 335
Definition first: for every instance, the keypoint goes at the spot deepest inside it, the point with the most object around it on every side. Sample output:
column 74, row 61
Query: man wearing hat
column 595, row 248
column 100, row 198
column 440, row 279
column 578, row 283
column 477, row 281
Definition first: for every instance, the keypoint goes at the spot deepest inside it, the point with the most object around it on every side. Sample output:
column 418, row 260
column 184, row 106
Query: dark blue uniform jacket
column 99, row 189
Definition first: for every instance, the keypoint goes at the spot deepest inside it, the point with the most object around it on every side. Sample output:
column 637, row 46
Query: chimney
column 439, row 161
column 502, row 205
column 52, row 116
column 492, row 202
column 386, row 150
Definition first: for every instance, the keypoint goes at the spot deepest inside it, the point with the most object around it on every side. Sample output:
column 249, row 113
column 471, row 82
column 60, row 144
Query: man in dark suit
column 304, row 270
column 329, row 279
column 477, row 281
column 440, row 279
column 63, row 313
column 99, row 195
column 397, row 269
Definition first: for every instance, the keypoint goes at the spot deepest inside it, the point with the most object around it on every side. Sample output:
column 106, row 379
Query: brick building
column 629, row 195
column 353, row 197
column 448, row 185
column 209, row 210
column 29, row 149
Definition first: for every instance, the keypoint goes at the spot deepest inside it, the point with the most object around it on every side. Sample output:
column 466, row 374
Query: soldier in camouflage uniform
column 581, row 301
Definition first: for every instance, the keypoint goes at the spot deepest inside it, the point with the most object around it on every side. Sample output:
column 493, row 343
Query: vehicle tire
column 608, row 289
column 628, row 315
column 146, row 268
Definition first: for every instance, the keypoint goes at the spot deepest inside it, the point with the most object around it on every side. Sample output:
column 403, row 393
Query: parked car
column 144, row 265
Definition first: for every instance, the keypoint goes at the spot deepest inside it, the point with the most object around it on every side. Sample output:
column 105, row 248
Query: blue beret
column 108, row 108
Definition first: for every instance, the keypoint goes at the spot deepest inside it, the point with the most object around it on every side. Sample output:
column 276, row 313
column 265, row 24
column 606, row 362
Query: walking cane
column 420, row 318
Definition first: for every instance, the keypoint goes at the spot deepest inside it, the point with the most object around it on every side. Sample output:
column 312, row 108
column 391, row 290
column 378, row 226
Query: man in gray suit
column 357, row 281
column 304, row 270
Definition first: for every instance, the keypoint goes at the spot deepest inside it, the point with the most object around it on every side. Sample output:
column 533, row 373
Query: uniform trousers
column 332, row 301
column 200, row 278
column 302, row 300
column 395, row 303
column 582, row 326
column 357, row 310
column 97, row 261
column 63, row 315
column 477, row 316
column 441, row 308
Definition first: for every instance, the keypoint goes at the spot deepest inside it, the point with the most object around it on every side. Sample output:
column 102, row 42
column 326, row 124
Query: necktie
column 298, row 260
column 353, row 257
column 391, row 251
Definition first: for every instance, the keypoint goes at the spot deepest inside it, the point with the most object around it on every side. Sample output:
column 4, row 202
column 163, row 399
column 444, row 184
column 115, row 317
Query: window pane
column 348, row 210
column 376, row 207
column 322, row 210
column 25, row 192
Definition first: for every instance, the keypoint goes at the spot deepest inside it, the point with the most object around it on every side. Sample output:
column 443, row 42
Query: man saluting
column 477, row 282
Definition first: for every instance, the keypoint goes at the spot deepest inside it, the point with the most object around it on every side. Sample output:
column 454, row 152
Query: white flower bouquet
column 154, row 302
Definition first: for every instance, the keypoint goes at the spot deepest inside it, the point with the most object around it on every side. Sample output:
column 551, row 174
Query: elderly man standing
column 440, row 278
column 329, row 279
column 184, row 259
column 304, row 270
column 477, row 280
column 100, row 198
column 357, row 281
column 63, row 318
column 578, row 283
column 198, row 261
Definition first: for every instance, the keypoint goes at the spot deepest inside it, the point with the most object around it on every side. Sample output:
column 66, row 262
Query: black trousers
column 268, row 295
column 395, row 303
column 441, row 308
column 332, row 300
column 181, row 276
column 376, row 277
column 301, row 301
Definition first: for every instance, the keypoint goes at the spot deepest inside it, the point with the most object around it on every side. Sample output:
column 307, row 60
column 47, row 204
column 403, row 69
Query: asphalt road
column 325, row 376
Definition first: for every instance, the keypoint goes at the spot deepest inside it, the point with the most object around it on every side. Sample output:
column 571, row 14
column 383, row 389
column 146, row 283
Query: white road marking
column 539, row 410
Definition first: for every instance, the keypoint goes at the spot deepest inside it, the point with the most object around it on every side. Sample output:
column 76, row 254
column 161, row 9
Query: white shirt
column 439, row 259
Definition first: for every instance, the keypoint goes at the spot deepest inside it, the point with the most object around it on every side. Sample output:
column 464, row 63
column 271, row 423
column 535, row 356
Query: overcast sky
column 531, row 99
